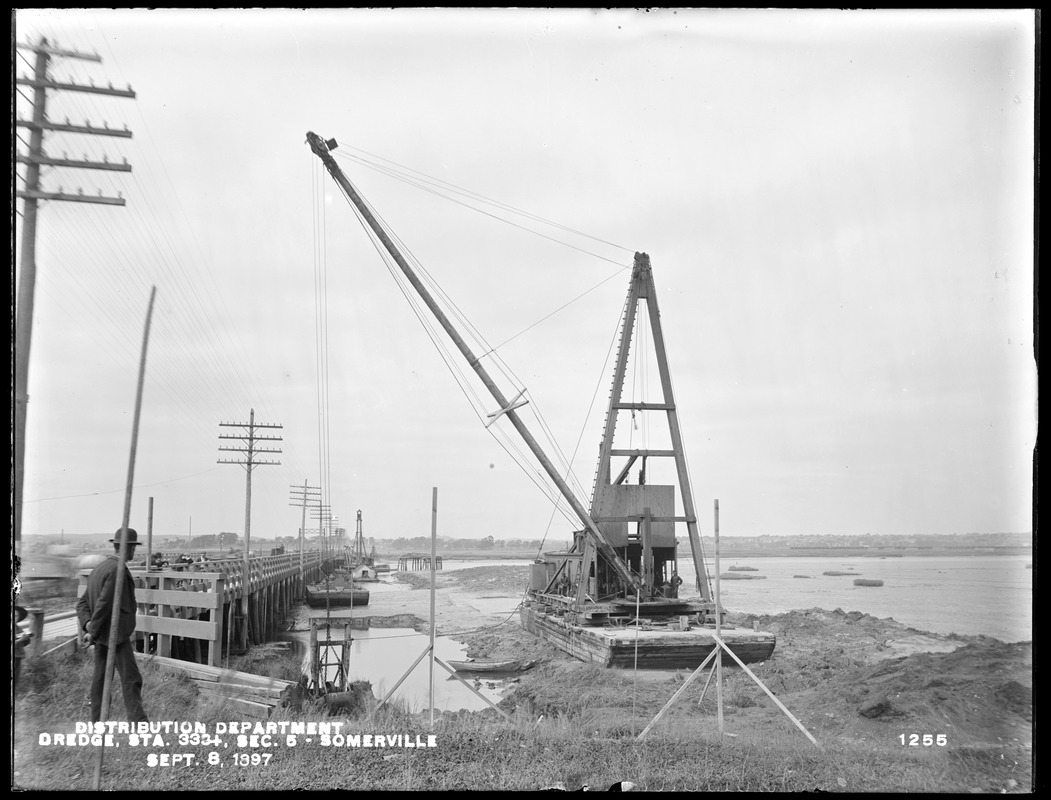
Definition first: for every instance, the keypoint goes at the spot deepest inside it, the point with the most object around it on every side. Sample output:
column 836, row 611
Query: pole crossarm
column 303, row 495
column 48, row 161
column 98, row 199
column 68, row 127
column 50, row 50
column 76, row 87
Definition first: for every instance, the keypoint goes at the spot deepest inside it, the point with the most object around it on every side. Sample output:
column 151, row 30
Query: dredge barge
column 615, row 596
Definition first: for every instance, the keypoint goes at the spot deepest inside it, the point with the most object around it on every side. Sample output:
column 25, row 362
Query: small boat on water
column 336, row 595
column 475, row 665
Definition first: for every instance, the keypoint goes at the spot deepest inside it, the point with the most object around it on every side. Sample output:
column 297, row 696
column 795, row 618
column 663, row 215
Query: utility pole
column 301, row 496
column 249, row 450
column 31, row 194
column 323, row 514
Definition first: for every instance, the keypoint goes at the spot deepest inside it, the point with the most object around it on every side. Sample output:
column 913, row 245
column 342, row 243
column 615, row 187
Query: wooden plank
column 178, row 574
column 195, row 671
column 248, row 707
column 260, row 693
column 238, row 681
column 172, row 626
column 206, row 600
column 217, row 674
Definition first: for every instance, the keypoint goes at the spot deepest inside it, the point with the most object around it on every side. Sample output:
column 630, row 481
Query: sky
column 838, row 207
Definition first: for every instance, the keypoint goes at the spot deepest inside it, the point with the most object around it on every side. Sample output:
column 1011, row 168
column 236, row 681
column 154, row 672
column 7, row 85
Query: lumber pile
column 254, row 695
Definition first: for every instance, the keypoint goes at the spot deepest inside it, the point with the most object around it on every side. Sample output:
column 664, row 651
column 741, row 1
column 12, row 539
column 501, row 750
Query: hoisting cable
column 321, row 148
column 594, row 396
column 453, row 364
column 423, row 185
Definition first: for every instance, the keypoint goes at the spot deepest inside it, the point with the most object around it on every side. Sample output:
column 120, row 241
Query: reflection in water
column 383, row 655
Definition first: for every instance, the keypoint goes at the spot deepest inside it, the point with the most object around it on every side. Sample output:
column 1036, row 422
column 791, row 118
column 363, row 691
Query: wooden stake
column 434, row 558
column 762, row 686
column 674, row 697
column 149, row 538
column 118, row 586
column 718, row 628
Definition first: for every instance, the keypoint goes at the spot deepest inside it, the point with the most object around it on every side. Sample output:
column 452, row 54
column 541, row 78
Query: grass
column 579, row 730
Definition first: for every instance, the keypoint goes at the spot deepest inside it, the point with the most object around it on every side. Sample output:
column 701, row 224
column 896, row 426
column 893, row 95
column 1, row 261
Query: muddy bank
column 843, row 674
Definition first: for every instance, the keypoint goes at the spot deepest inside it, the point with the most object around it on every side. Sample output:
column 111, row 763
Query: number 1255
column 927, row 739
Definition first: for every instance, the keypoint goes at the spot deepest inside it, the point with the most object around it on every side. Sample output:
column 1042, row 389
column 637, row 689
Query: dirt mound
column 844, row 674
column 423, row 580
column 804, row 625
column 505, row 580
column 857, row 676
column 511, row 641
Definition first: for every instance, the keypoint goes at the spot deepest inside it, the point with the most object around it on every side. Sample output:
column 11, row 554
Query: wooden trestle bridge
column 194, row 611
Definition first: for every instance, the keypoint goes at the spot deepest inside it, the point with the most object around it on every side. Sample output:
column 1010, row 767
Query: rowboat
column 473, row 665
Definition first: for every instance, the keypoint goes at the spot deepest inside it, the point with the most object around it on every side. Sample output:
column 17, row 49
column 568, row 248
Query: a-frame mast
column 643, row 288
column 321, row 149
column 360, row 555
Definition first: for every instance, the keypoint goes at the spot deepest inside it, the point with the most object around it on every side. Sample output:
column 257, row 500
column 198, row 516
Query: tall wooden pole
column 31, row 194
column 301, row 497
column 149, row 537
column 302, row 531
column 27, row 283
column 718, row 629
column 434, row 558
column 248, row 533
column 250, row 450
column 118, row 585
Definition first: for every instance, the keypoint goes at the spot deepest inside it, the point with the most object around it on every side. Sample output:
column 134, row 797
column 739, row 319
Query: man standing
column 95, row 610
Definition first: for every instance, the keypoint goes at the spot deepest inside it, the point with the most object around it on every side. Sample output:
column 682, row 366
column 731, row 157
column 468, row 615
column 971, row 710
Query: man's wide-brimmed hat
column 133, row 537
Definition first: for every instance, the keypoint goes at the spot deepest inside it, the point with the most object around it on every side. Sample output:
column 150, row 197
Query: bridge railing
column 178, row 604
column 188, row 601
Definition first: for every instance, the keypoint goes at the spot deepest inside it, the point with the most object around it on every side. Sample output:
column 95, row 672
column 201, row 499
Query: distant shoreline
column 808, row 552
column 854, row 552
